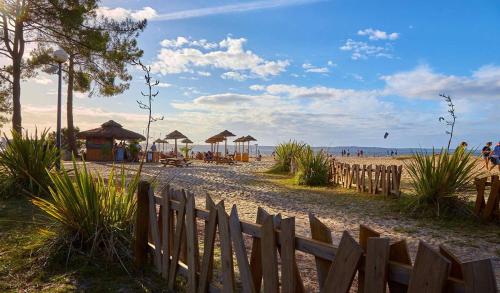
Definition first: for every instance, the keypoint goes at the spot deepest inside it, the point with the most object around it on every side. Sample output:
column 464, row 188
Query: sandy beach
column 247, row 186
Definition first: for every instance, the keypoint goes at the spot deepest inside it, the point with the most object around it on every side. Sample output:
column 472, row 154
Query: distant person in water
column 485, row 153
column 392, row 153
column 348, row 153
column 361, row 153
column 495, row 157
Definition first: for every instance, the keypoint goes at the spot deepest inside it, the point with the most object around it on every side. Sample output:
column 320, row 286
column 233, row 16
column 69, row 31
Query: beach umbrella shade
column 225, row 134
column 214, row 140
column 186, row 141
column 175, row 135
column 248, row 139
column 238, row 141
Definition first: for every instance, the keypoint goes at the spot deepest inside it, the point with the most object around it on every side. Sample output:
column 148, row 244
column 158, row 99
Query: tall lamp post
column 60, row 56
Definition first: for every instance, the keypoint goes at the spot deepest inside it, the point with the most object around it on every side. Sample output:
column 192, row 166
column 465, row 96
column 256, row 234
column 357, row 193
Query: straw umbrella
column 186, row 141
column 214, row 140
column 225, row 134
column 175, row 135
column 248, row 139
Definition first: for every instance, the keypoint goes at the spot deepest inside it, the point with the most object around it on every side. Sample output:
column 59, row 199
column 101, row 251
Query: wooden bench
column 176, row 162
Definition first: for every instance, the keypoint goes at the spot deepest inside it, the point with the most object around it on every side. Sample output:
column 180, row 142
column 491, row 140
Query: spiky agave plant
column 23, row 164
column 94, row 215
column 312, row 167
column 284, row 154
column 438, row 179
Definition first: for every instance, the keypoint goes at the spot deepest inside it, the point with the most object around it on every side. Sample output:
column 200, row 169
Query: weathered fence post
column 141, row 224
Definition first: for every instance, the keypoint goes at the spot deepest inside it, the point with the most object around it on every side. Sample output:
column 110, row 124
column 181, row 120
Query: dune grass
column 28, row 264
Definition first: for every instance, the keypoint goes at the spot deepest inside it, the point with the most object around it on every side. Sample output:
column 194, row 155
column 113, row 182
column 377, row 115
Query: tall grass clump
column 312, row 168
column 438, row 179
column 24, row 163
column 93, row 215
column 284, row 154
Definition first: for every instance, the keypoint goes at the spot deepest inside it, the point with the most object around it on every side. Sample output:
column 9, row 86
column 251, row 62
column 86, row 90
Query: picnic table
column 177, row 162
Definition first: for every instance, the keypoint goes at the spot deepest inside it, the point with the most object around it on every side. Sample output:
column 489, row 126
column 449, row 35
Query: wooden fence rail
column 487, row 209
column 381, row 179
column 172, row 242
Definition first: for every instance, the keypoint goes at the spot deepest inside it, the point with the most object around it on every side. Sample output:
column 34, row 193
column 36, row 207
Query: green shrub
column 284, row 154
column 439, row 178
column 312, row 167
column 24, row 163
column 95, row 215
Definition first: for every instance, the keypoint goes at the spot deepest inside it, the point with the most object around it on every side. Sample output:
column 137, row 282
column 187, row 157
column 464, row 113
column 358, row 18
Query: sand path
column 246, row 186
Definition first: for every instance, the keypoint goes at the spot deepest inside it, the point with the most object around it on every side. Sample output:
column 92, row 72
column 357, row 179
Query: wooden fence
column 381, row 179
column 488, row 209
column 166, row 229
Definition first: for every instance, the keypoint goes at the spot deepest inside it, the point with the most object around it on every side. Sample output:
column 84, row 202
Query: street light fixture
column 60, row 56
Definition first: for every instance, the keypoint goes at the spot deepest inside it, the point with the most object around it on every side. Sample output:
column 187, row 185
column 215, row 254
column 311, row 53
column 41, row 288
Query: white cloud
column 331, row 63
column 43, row 80
column 186, row 41
column 374, row 34
column 361, row 50
column 317, row 92
column 231, row 55
column 121, row 14
column 311, row 68
column 423, row 82
column 234, row 76
column 257, row 87
column 204, row 73
column 164, row 84
column 231, row 8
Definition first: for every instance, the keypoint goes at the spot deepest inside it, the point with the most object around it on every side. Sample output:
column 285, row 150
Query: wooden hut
column 99, row 141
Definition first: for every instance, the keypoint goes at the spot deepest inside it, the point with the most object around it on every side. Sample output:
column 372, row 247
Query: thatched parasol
column 186, row 141
column 163, row 142
column 214, row 140
column 248, row 139
column 238, row 142
column 110, row 129
column 225, row 134
column 175, row 135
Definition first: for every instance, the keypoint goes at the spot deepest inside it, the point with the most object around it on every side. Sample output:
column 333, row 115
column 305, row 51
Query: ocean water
column 337, row 150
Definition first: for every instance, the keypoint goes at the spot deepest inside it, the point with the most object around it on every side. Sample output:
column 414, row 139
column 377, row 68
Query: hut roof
column 214, row 139
column 249, row 138
column 226, row 133
column 159, row 140
column 239, row 139
column 110, row 129
column 175, row 135
column 186, row 140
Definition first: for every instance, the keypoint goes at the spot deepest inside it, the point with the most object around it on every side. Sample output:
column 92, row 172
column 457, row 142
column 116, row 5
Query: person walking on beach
column 486, row 154
column 495, row 157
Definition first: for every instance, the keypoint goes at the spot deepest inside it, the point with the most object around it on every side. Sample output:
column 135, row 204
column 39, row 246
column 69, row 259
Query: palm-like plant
column 312, row 167
column 24, row 163
column 439, row 177
column 95, row 214
column 284, row 154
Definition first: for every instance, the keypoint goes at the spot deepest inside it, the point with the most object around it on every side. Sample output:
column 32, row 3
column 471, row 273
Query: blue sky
column 324, row 72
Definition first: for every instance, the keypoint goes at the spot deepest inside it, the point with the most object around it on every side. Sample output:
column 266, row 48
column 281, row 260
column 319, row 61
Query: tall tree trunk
column 16, row 95
column 17, row 52
column 69, row 107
